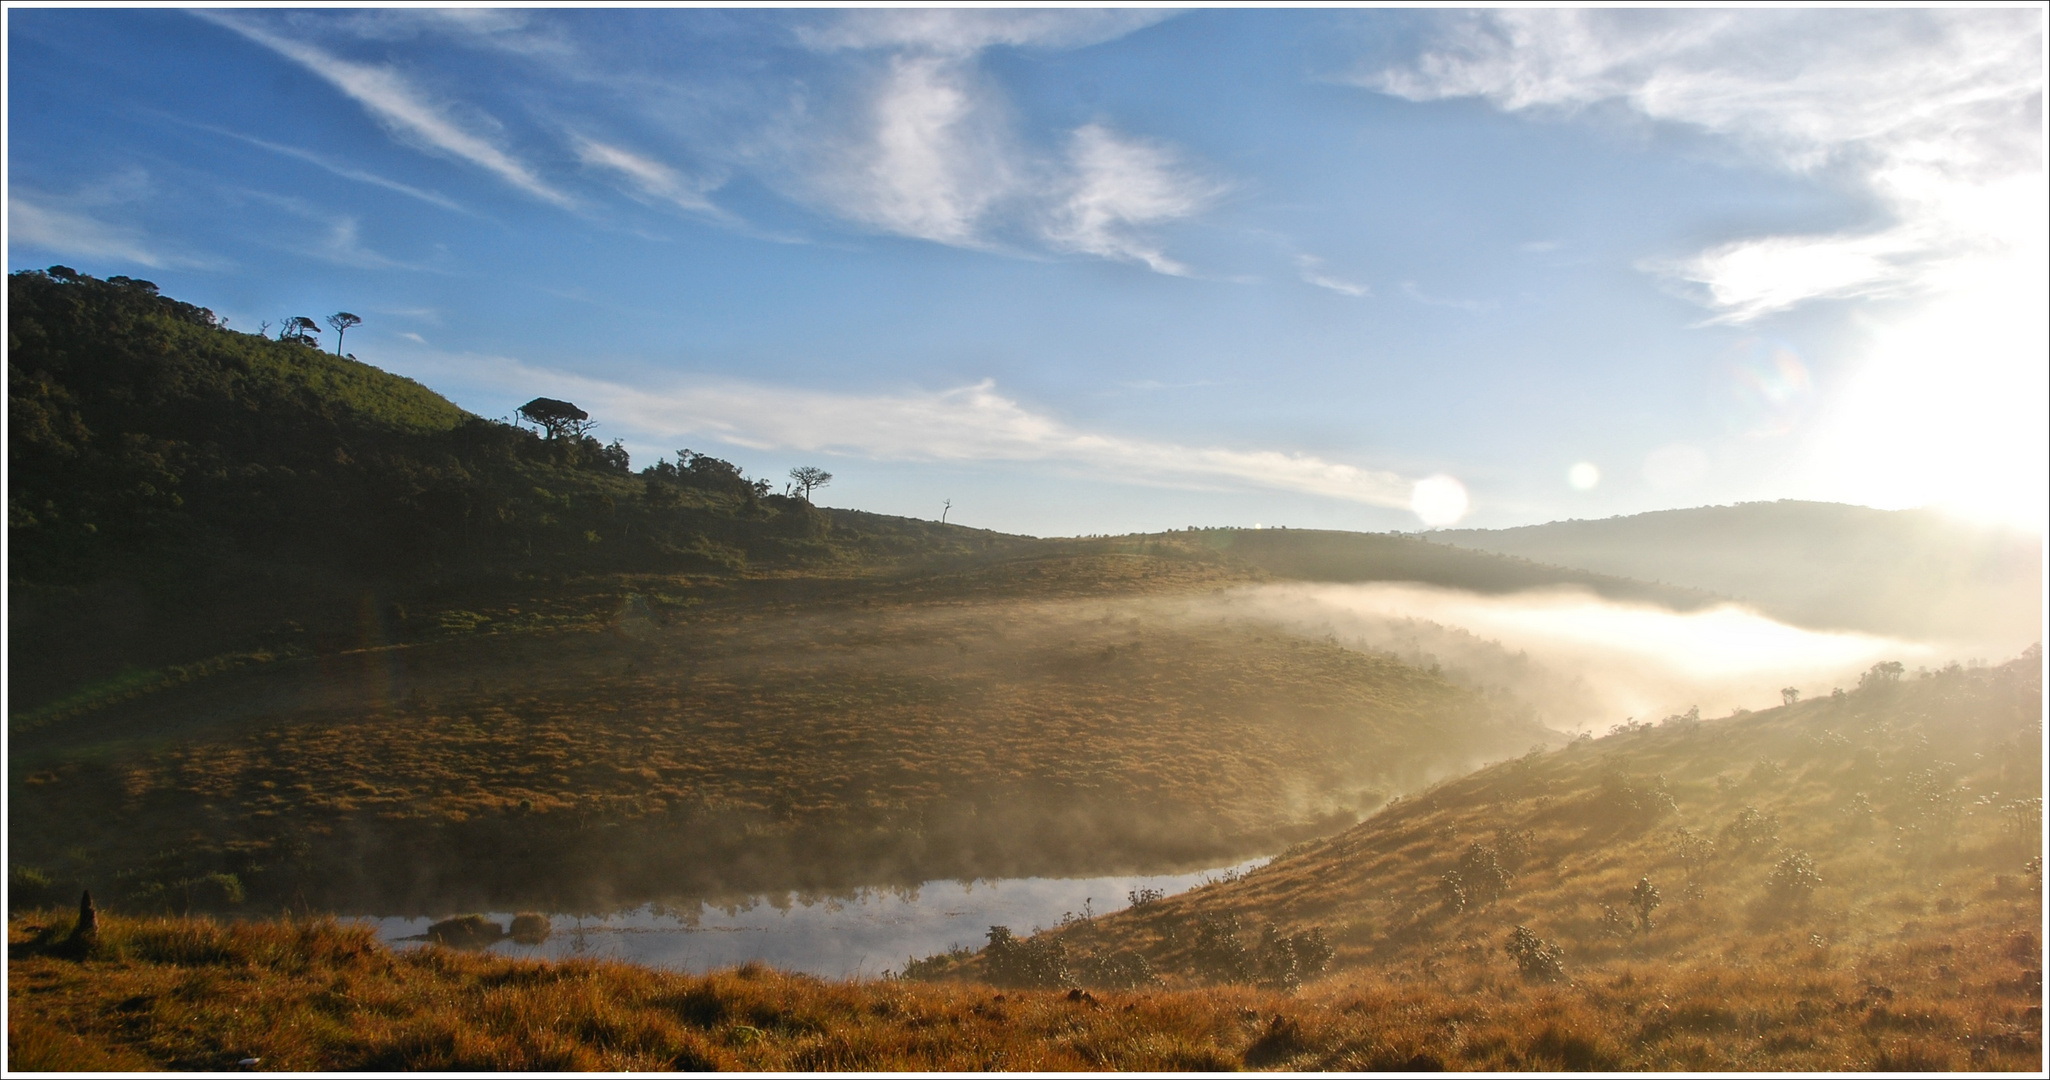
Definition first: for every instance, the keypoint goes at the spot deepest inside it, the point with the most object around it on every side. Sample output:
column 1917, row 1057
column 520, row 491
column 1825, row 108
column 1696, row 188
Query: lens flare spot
column 1584, row 476
column 1439, row 500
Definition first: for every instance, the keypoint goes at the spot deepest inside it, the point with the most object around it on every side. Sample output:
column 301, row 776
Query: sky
column 1061, row 271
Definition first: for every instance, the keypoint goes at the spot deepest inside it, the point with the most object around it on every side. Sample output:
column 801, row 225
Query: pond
column 857, row 935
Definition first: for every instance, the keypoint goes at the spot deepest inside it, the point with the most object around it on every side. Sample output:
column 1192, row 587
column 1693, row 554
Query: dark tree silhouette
column 807, row 477
column 301, row 329
column 559, row 419
column 341, row 321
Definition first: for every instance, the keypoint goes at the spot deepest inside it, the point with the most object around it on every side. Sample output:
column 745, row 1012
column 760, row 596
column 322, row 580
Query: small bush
column 465, row 932
column 1218, row 954
column 531, row 928
column 1793, row 880
column 1120, row 970
column 1287, row 961
column 1752, row 830
column 1027, row 963
column 1482, row 873
column 1538, row 959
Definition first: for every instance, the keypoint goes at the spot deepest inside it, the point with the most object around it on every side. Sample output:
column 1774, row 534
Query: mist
column 1578, row 660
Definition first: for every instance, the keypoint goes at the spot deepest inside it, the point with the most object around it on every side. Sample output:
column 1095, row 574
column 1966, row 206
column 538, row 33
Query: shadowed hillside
column 180, row 493
column 1915, row 573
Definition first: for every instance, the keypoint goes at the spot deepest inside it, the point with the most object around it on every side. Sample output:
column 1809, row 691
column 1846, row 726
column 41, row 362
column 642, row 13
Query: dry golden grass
column 892, row 731
column 1918, row 805
column 194, row 994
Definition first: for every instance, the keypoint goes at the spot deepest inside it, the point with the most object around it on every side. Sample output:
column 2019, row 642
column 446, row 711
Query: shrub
column 1482, row 873
column 1121, row 970
column 531, row 928
column 1752, row 831
column 1694, row 851
column 1631, row 804
column 1452, row 892
column 1218, row 955
column 1793, row 879
column 1538, row 959
column 465, row 932
column 1028, row 963
column 1287, row 960
column 1645, row 898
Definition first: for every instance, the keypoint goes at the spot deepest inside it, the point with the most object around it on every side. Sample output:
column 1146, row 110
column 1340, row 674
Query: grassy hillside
column 180, row 492
column 1914, row 573
column 1836, row 884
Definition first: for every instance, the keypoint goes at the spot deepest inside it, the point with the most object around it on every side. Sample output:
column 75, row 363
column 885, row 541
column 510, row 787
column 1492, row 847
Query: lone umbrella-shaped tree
column 557, row 418
column 807, row 477
column 341, row 321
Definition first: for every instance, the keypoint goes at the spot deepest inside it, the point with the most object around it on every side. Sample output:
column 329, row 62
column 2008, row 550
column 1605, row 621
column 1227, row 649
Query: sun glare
column 1439, row 500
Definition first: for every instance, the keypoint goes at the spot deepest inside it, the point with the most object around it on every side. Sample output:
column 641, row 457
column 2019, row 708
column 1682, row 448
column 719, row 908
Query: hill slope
column 1913, row 573
column 180, row 491
column 1825, row 885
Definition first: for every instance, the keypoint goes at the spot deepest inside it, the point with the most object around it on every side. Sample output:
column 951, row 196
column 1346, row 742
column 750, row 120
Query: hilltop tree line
column 145, row 430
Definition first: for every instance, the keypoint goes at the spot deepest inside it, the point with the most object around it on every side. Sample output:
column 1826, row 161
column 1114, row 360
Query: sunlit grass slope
column 1846, row 883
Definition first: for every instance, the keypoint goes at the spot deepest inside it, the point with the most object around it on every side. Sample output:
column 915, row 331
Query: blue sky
column 1102, row 271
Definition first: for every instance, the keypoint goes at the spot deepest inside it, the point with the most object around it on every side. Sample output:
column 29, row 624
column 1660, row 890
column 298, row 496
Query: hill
column 1910, row 573
column 180, row 492
column 1834, row 884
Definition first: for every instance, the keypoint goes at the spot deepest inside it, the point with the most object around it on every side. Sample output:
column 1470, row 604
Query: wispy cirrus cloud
column 402, row 108
column 346, row 172
column 646, row 176
column 973, row 423
column 1117, row 187
column 74, row 225
column 336, row 238
column 1936, row 113
column 964, row 31
column 934, row 152
column 1311, row 268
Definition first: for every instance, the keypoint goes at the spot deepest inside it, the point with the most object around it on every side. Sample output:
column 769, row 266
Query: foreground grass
column 196, row 994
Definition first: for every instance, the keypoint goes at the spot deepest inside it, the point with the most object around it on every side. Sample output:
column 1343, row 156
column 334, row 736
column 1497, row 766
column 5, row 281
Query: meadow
column 1042, row 716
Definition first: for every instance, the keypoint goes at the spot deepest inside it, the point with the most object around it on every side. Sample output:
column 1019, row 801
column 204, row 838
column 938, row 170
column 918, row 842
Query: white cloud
column 37, row 221
column 960, row 32
column 1118, row 185
column 1933, row 111
column 647, row 176
column 965, row 424
column 932, row 151
column 1312, row 270
column 933, row 158
column 400, row 107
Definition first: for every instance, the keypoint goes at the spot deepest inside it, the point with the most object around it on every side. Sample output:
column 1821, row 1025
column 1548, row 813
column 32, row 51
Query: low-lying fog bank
column 1579, row 660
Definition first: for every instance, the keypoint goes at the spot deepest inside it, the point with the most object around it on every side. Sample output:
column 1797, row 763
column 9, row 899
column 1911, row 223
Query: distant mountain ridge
column 1915, row 573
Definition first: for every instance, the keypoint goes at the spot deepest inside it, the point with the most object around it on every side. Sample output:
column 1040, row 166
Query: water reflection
column 860, row 935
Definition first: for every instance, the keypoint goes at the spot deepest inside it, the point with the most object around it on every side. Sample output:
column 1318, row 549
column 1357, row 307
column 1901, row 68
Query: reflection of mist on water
column 834, row 937
column 1578, row 659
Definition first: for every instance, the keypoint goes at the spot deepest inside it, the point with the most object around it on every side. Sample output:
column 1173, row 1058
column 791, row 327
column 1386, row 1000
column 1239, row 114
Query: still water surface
column 856, row 935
